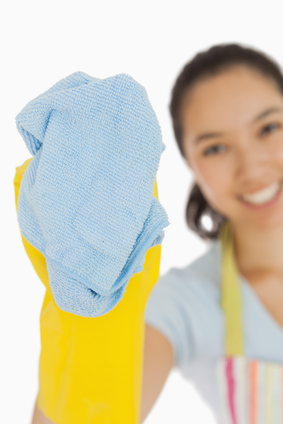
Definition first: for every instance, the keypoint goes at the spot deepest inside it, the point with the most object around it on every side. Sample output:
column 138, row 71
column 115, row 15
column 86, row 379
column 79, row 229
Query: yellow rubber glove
column 90, row 369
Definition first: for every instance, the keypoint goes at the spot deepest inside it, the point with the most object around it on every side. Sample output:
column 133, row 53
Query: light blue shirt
column 185, row 307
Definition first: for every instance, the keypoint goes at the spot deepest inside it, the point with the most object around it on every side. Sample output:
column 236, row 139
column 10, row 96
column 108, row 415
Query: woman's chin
column 268, row 221
column 261, row 219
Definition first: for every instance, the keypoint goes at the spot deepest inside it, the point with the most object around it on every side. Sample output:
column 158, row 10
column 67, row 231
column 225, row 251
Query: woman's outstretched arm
column 158, row 361
column 39, row 417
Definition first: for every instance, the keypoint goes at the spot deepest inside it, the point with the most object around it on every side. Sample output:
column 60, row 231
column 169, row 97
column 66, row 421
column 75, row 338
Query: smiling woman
column 239, row 168
column 223, row 314
column 206, row 79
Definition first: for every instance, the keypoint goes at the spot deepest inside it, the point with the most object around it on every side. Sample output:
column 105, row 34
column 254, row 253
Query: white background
column 44, row 41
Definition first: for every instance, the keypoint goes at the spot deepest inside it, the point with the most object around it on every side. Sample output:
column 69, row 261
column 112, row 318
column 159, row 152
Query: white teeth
column 264, row 195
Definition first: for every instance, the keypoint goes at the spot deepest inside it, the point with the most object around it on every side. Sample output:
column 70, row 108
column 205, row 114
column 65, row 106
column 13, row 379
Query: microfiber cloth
column 86, row 199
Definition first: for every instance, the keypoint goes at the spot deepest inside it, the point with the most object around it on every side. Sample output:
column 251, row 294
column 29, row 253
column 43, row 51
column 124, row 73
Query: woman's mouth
column 263, row 197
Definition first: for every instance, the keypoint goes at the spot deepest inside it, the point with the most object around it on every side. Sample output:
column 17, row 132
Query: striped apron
column 250, row 391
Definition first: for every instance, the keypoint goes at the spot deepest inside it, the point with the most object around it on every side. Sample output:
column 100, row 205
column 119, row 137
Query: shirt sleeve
column 184, row 306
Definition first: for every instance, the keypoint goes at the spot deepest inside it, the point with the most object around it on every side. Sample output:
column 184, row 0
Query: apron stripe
column 253, row 391
column 231, row 388
column 261, row 393
column 223, row 390
column 269, row 387
column 277, row 416
column 280, row 393
column 241, row 393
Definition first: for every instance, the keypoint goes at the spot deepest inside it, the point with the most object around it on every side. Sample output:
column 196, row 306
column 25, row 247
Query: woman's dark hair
column 207, row 64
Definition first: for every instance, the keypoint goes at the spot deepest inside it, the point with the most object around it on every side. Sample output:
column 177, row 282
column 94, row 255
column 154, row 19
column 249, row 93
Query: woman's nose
column 252, row 162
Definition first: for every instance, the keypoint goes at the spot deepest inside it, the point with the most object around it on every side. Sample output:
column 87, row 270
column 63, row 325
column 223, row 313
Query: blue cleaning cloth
column 86, row 199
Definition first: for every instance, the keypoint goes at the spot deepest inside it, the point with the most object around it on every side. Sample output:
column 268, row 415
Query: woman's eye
column 218, row 148
column 268, row 127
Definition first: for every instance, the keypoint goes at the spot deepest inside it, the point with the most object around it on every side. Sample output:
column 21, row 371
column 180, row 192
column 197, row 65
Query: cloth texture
column 86, row 200
column 185, row 306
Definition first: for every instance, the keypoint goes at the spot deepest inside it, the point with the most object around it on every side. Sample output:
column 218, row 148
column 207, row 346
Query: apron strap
column 230, row 294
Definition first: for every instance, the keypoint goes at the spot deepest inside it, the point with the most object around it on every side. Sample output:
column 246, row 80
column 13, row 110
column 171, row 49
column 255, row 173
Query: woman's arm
column 158, row 361
column 39, row 418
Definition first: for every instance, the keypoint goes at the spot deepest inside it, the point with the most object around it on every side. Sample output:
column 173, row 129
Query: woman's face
column 233, row 142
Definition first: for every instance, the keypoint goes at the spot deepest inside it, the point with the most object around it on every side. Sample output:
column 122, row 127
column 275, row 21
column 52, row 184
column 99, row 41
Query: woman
column 227, row 112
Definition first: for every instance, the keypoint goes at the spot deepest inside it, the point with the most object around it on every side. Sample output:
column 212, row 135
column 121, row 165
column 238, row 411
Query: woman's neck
column 258, row 249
